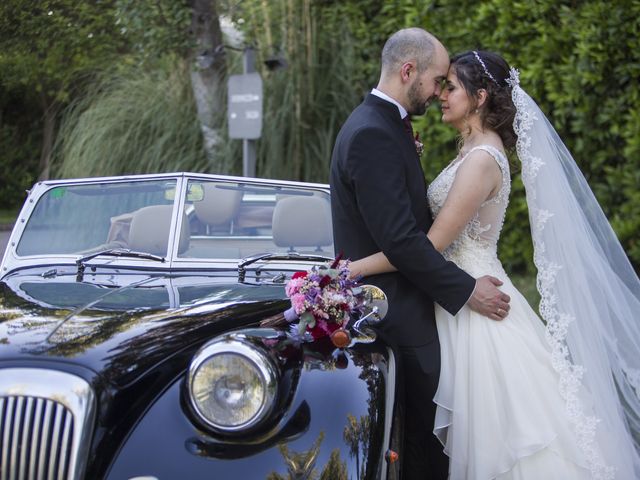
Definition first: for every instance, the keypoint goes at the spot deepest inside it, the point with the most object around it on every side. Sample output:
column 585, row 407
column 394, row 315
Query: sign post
column 245, row 111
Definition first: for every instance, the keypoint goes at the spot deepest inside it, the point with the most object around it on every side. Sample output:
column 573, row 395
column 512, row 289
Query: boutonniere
column 419, row 144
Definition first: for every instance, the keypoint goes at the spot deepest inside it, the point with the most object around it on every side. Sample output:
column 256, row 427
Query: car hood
column 122, row 331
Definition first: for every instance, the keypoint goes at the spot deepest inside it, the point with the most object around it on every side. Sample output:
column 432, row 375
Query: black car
column 131, row 347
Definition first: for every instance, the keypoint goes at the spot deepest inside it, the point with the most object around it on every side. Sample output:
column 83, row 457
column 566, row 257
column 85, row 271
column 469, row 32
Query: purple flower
column 324, row 295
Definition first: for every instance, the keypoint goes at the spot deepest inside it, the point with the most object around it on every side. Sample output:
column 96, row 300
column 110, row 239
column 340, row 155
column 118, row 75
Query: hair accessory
column 484, row 67
column 514, row 77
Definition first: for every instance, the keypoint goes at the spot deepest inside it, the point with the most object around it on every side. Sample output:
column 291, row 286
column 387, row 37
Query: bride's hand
column 488, row 300
column 355, row 269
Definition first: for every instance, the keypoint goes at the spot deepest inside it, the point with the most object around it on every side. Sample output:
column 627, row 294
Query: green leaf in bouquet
column 306, row 319
column 333, row 273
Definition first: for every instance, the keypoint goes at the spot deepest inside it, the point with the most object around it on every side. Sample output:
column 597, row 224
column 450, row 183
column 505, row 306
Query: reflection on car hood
column 120, row 331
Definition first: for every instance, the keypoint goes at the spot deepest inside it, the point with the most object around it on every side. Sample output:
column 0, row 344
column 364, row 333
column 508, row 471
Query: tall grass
column 136, row 121
column 306, row 103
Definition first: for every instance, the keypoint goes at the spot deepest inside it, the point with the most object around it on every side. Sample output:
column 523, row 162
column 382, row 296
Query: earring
column 477, row 111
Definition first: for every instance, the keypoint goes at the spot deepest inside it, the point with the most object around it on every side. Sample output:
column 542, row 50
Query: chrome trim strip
column 186, row 175
column 44, row 444
column 5, row 434
column 176, row 219
column 24, row 444
column 53, row 454
column 47, row 421
column 389, row 408
column 67, row 431
column 16, row 431
column 33, row 463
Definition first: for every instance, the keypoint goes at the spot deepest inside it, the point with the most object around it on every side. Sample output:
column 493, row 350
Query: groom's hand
column 488, row 300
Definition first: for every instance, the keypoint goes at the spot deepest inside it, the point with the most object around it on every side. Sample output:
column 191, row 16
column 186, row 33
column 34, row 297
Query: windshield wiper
column 277, row 256
column 114, row 252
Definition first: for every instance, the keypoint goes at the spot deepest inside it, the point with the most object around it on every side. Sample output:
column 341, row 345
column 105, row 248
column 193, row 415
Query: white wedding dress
column 500, row 411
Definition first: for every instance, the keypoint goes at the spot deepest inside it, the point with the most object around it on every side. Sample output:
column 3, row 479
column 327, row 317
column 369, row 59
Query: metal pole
column 249, row 146
column 248, row 158
column 249, row 60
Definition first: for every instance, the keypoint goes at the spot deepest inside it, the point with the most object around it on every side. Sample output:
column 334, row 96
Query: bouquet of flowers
column 322, row 299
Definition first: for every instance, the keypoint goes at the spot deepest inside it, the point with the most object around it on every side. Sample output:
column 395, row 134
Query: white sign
column 245, row 105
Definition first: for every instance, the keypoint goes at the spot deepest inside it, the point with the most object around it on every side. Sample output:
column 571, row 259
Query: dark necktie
column 407, row 126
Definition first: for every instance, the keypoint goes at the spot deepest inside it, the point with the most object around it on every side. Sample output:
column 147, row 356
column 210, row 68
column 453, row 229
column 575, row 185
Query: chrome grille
column 45, row 421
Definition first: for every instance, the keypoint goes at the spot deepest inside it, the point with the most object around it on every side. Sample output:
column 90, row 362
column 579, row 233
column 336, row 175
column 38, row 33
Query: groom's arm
column 380, row 184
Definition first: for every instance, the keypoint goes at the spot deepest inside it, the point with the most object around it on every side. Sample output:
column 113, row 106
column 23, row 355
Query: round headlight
column 232, row 385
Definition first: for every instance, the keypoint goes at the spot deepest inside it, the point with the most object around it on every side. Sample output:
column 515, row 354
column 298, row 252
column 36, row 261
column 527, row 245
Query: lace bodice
column 475, row 249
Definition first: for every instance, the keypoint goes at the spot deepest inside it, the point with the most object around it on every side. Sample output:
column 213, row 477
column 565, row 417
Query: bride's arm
column 371, row 265
column 477, row 179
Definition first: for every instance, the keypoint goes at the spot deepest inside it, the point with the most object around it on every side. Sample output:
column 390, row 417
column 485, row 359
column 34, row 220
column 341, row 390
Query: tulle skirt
column 500, row 414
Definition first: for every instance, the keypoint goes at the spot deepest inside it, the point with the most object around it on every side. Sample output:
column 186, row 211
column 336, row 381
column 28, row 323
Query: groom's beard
column 417, row 104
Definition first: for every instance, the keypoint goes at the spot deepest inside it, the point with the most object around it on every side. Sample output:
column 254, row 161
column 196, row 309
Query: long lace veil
column 590, row 296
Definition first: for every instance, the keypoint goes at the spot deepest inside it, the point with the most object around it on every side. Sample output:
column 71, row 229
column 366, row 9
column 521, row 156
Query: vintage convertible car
column 130, row 344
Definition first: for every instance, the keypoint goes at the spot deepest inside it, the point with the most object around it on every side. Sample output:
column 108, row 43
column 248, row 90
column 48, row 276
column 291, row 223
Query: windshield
column 220, row 220
column 229, row 220
column 81, row 219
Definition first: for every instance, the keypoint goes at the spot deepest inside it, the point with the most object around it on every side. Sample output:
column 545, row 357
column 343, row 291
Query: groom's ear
column 407, row 71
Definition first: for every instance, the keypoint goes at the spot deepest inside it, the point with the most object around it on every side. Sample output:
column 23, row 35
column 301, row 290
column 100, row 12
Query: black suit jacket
column 379, row 202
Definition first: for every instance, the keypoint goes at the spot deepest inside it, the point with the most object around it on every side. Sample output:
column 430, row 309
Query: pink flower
column 297, row 301
column 294, row 286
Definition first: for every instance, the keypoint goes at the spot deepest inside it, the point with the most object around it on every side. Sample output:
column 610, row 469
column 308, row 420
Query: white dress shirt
column 384, row 96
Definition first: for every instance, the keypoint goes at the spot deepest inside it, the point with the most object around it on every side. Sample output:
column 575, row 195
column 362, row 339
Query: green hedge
column 20, row 134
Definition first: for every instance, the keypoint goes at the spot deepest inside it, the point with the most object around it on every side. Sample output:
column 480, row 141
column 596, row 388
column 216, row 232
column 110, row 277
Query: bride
column 525, row 398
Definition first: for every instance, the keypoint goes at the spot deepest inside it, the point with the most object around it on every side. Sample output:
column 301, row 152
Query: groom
column 379, row 202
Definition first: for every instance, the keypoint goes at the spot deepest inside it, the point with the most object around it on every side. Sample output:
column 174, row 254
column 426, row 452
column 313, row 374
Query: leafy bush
column 19, row 147
column 17, row 165
column 581, row 62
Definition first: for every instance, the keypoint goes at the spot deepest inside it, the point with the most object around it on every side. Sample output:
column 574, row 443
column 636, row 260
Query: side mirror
column 376, row 304
column 375, row 307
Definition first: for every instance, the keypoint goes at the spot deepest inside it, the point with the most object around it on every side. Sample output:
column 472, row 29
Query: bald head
column 414, row 63
column 409, row 44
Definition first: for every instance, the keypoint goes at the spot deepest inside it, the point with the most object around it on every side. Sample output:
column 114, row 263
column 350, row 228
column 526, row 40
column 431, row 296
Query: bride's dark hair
column 486, row 70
